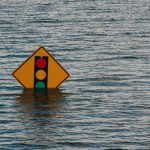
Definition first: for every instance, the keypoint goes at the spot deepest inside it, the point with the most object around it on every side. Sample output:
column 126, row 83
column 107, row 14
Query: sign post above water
column 40, row 70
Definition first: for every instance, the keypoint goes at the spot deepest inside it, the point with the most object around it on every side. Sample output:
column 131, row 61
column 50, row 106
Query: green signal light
column 40, row 84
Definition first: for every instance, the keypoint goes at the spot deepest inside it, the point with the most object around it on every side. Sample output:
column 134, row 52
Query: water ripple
column 104, row 104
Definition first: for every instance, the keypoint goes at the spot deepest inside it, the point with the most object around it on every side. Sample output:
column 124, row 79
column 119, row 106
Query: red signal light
column 41, row 62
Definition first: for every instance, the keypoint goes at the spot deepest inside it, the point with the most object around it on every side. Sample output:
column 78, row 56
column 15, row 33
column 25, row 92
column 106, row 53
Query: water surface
column 105, row 46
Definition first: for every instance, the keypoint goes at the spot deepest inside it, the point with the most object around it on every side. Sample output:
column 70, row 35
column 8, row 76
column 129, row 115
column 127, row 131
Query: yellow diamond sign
column 40, row 70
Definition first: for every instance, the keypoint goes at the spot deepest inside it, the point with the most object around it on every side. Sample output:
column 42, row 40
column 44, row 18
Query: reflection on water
column 41, row 103
column 37, row 117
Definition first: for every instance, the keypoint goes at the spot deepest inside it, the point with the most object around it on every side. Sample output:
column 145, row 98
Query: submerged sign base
column 41, row 69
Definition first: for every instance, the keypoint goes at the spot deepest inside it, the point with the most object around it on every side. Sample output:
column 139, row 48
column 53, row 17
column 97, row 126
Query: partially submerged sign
column 40, row 70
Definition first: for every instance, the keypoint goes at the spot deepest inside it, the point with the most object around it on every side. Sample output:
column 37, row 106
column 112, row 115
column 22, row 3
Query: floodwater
column 105, row 46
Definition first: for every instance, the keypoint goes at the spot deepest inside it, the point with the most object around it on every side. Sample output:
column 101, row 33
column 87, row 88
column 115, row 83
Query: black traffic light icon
column 40, row 72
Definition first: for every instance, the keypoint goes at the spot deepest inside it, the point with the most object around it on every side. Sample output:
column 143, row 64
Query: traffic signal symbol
column 40, row 72
column 29, row 72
